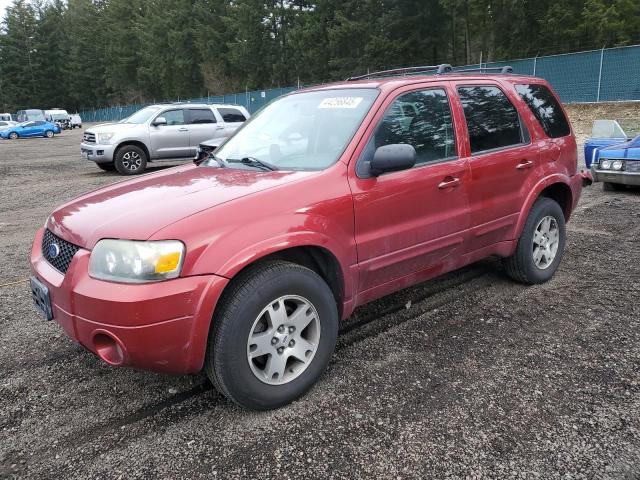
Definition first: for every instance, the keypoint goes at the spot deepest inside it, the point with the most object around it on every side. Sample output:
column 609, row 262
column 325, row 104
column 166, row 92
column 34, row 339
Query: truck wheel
column 612, row 187
column 13, row 135
column 48, row 134
column 107, row 167
column 272, row 335
column 130, row 160
column 541, row 245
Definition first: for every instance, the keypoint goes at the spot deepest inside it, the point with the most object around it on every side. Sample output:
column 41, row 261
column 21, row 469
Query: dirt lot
column 467, row 376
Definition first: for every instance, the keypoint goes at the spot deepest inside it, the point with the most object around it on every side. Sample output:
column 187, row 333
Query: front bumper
column 622, row 178
column 161, row 326
column 97, row 153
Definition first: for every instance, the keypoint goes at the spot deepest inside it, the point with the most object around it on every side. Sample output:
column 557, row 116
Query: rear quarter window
column 231, row 115
column 546, row 109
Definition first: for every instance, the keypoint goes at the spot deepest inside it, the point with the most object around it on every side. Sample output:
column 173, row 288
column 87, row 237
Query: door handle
column 524, row 164
column 219, row 127
column 183, row 129
column 449, row 182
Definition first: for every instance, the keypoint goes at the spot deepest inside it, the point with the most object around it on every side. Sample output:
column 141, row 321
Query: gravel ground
column 467, row 376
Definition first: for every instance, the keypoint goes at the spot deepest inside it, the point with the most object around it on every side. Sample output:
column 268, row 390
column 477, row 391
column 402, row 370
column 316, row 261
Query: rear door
column 202, row 126
column 170, row 140
column 501, row 158
column 411, row 220
column 233, row 119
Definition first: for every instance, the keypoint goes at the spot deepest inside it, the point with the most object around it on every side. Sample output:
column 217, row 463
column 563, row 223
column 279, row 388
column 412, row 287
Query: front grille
column 633, row 166
column 89, row 137
column 65, row 251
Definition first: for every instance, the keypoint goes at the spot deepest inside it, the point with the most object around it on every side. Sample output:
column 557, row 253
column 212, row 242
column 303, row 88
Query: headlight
column 104, row 138
column 131, row 261
column 616, row 165
column 605, row 164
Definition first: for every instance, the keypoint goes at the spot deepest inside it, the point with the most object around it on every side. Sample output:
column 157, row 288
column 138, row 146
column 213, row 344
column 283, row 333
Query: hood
column 630, row 149
column 112, row 127
column 136, row 209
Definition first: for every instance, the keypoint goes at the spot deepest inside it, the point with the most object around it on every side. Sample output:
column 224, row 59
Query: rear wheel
column 612, row 187
column 13, row 135
column 272, row 335
column 48, row 134
column 107, row 167
column 541, row 245
column 130, row 160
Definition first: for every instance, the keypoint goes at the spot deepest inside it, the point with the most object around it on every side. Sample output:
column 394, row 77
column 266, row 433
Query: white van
column 56, row 115
column 5, row 117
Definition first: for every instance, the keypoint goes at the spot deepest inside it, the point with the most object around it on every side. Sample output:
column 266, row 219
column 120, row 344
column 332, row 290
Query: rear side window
column 492, row 120
column 546, row 109
column 231, row 115
column 201, row 115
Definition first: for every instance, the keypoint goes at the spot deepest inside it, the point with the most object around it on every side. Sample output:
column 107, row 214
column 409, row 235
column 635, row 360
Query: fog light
column 617, row 165
column 605, row 164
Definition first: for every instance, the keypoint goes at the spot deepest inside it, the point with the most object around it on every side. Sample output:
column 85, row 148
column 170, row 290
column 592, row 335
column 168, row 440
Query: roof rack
column 438, row 69
column 442, row 68
column 506, row 69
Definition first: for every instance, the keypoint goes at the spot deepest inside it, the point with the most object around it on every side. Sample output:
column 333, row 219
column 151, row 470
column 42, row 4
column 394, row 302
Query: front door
column 416, row 219
column 170, row 140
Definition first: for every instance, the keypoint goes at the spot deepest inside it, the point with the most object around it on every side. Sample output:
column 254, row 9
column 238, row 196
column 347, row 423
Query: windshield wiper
column 253, row 162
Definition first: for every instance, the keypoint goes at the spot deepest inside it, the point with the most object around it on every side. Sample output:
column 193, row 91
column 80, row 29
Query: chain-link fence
column 609, row 74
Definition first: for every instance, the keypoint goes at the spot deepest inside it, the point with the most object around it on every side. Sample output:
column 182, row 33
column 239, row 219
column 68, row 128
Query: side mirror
column 159, row 121
column 392, row 158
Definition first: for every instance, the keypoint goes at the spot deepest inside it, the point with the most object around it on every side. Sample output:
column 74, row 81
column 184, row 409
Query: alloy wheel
column 131, row 161
column 546, row 239
column 283, row 340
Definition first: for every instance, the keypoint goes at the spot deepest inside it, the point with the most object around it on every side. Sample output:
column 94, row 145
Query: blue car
column 617, row 165
column 37, row 128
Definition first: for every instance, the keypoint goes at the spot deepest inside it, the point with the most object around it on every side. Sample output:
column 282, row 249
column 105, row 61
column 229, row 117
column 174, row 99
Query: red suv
column 328, row 198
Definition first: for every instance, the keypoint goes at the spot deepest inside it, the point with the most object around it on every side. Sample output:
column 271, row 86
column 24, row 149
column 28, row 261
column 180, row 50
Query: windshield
column 141, row 116
column 59, row 116
column 303, row 131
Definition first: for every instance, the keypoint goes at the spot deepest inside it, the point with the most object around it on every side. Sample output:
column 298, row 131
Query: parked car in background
column 5, row 117
column 4, row 124
column 618, row 165
column 605, row 133
column 33, row 114
column 75, row 121
column 159, row 133
column 59, row 117
column 38, row 128
column 244, row 265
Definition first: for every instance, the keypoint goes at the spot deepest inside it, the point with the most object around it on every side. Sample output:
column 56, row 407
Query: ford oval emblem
column 54, row 250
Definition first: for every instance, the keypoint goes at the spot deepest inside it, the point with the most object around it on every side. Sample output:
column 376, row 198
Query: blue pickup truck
column 612, row 156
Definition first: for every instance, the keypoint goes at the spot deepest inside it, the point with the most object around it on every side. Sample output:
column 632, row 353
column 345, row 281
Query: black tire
column 107, row 167
column 521, row 265
column 48, row 134
column 227, row 364
column 612, row 187
column 126, row 161
column 13, row 135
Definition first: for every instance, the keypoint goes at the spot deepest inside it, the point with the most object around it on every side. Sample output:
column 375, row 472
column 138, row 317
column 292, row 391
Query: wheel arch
column 136, row 143
column 557, row 188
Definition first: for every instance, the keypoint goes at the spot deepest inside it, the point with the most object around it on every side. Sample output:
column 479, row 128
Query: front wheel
column 272, row 335
column 13, row 135
column 541, row 245
column 130, row 160
column 48, row 134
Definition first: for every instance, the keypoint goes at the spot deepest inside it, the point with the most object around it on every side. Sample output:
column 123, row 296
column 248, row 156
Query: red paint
column 386, row 233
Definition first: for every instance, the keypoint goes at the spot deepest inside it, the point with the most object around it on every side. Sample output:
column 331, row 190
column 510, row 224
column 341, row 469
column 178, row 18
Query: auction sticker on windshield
column 340, row 102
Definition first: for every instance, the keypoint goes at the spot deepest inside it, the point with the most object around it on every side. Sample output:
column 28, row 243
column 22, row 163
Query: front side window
column 231, row 115
column 546, row 109
column 201, row 115
column 301, row 131
column 174, row 117
column 420, row 119
column 492, row 120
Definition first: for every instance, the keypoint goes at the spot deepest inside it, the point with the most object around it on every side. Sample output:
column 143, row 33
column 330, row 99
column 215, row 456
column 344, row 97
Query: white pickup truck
column 159, row 133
